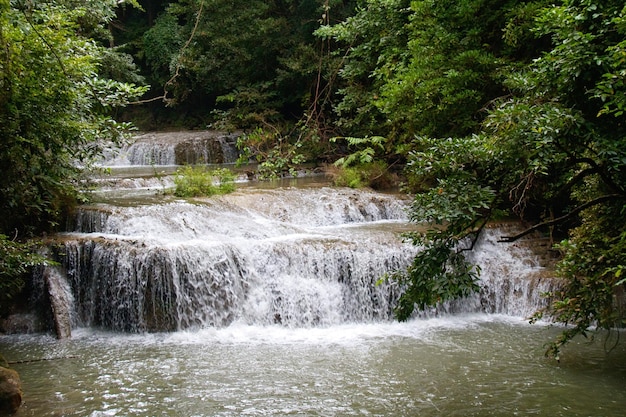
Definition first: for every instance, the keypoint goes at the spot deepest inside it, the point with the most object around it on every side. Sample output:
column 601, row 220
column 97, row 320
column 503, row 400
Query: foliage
column 580, row 141
column 259, row 62
column 54, row 107
column 454, row 212
column 452, row 204
column 46, row 128
column 349, row 177
column 372, row 43
column 451, row 70
column 438, row 273
column 275, row 153
column 552, row 152
column 161, row 44
column 422, row 67
column 373, row 174
column 199, row 181
column 593, row 266
column 365, row 166
column 16, row 260
column 369, row 147
column 254, row 67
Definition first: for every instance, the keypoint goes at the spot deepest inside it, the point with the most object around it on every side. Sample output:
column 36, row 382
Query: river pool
column 467, row 365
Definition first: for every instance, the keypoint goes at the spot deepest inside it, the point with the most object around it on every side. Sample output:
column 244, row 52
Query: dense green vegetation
column 202, row 182
column 518, row 112
column 54, row 105
column 486, row 108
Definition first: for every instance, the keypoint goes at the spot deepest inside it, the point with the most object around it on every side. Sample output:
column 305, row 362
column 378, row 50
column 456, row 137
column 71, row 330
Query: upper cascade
column 176, row 148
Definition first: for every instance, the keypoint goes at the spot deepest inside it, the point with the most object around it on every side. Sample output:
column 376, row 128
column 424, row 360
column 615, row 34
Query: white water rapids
column 295, row 257
column 298, row 257
column 265, row 302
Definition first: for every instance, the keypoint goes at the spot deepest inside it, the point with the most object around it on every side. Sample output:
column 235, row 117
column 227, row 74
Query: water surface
column 474, row 365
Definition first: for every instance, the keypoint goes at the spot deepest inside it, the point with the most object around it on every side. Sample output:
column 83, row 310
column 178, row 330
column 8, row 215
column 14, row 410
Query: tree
column 54, row 110
column 455, row 48
column 371, row 45
column 552, row 152
column 422, row 67
column 257, row 63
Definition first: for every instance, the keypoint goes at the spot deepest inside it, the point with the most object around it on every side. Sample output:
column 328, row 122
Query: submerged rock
column 21, row 323
column 10, row 389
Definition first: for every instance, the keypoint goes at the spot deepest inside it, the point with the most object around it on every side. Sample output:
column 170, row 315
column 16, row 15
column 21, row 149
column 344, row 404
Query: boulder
column 21, row 324
column 10, row 391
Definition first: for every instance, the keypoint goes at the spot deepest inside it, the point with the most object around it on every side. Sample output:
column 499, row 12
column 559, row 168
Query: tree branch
column 573, row 181
column 567, row 216
column 606, row 177
column 171, row 81
column 476, row 233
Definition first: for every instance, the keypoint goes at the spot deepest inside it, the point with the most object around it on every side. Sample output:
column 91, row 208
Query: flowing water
column 269, row 301
column 476, row 365
column 175, row 148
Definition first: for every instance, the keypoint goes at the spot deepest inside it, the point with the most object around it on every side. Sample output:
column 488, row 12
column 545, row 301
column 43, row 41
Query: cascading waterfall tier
column 513, row 278
column 296, row 257
column 176, row 148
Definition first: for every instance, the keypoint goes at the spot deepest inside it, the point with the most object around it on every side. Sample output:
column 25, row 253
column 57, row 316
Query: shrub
column 200, row 181
column 374, row 174
column 16, row 261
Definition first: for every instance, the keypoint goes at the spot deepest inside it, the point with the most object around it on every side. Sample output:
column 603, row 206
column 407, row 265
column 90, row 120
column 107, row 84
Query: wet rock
column 60, row 300
column 10, row 390
column 21, row 324
column 178, row 148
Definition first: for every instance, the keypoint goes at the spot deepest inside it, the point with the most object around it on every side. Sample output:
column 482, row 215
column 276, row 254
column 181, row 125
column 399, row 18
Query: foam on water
column 294, row 257
column 349, row 334
column 473, row 365
column 345, row 334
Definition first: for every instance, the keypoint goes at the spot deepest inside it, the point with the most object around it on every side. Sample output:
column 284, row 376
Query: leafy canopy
column 554, row 153
column 54, row 109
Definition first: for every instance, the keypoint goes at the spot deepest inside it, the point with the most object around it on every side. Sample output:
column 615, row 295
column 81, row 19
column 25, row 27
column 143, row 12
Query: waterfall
column 513, row 280
column 294, row 257
column 176, row 148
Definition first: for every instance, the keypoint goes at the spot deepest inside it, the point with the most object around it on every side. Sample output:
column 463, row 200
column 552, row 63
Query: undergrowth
column 199, row 181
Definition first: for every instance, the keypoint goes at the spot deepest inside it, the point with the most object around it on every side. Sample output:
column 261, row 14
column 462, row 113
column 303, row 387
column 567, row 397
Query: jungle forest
column 479, row 109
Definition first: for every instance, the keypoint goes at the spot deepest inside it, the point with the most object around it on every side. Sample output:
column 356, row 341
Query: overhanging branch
column 563, row 218
column 576, row 179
